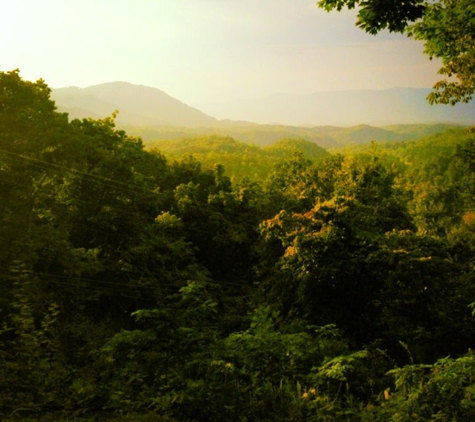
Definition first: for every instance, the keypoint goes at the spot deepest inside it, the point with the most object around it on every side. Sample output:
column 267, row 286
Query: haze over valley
column 326, row 118
column 344, row 108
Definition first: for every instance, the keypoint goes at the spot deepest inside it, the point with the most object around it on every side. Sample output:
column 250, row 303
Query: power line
column 190, row 229
column 101, row 180
column 34, row 162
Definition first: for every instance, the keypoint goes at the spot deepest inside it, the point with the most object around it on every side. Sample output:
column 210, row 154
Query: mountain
column 138, row 105
column 240, row 159
column 152, row 114
column 344, row 108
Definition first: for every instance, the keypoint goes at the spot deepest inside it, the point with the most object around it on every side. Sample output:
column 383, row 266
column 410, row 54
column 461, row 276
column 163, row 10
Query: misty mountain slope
column 152, row 114
column 344, row 108
column 79, row 103
column 144, row 106
column 137, row 104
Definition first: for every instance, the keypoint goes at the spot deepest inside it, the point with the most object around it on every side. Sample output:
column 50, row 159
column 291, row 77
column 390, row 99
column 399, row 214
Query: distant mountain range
column 344, row 108
column 154, row 115
column 144, row 106
column 138, row 105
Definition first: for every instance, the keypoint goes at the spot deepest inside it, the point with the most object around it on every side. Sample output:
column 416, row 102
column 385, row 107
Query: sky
column 205, row 51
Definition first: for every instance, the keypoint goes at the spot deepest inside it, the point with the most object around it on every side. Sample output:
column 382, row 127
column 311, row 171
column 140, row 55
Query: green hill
column 286, row 147
column 239, row 159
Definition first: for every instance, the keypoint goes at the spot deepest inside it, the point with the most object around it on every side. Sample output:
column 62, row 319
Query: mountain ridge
column 141, row 105
column 153, row 114
column 344, row 108
column 137, row 105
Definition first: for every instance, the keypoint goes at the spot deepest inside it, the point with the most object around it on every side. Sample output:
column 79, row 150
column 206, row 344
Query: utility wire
column 99, row 179
column 191, row 229
column 34, row 162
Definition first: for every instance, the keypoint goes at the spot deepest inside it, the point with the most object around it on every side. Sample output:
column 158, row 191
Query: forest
column 228, row 282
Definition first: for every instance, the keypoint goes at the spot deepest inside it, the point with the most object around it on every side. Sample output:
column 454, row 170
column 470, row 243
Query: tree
column 355, row 259
column 447, row 28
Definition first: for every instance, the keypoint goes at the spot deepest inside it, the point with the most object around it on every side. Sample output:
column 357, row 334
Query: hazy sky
column 203, row 51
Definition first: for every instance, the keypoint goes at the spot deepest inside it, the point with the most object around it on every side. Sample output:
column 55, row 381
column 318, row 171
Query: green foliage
column 33, row 372
column 259, row 373
column 133, row 288
column 286, row 147
column 442, row 391
column 374, row 16
column 344, row 259
column 240, row 160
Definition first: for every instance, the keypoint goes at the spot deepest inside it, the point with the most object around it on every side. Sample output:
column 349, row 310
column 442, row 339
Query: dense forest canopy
column 240, row 160
column 338, row 288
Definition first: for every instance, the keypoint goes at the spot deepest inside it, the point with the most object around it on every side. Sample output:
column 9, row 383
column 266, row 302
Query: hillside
column 238, row 158
column 251, row 133
column 328, row 137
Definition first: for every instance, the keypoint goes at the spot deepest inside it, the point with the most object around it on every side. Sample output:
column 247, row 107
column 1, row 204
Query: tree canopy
column 139, row 289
